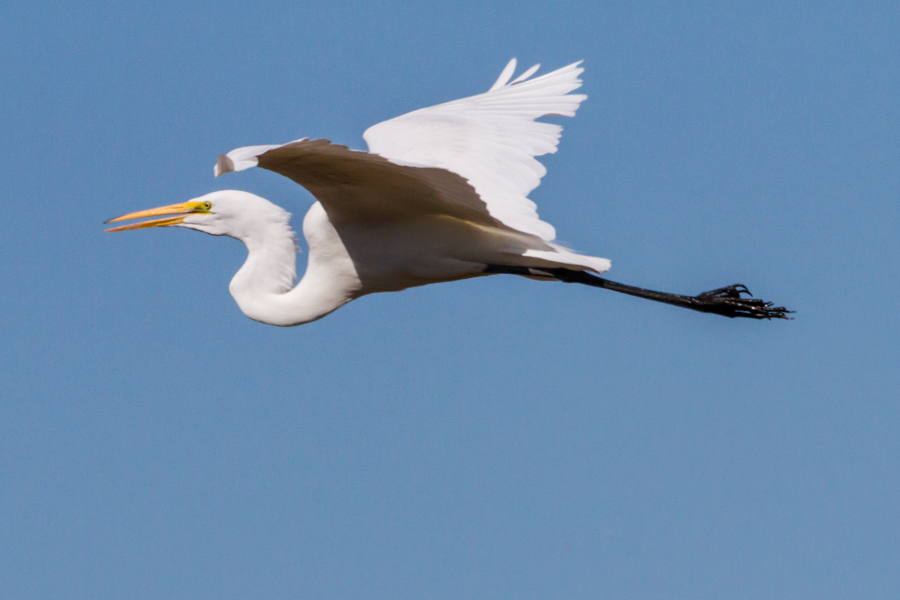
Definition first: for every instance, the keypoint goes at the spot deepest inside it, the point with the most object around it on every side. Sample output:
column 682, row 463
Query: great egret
column 441, row 195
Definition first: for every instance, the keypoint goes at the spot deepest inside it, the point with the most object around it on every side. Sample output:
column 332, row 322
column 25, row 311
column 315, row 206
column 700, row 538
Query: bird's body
column 352, row 258
column 441, row 196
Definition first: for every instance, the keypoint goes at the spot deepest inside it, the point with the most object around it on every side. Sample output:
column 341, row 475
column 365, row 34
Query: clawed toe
column 731, row 291
column 728, row 302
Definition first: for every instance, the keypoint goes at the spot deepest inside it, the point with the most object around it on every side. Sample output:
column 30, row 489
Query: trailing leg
column 728, row 301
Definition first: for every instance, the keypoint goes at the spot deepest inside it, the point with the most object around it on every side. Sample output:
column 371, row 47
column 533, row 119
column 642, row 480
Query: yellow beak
column 182, row 210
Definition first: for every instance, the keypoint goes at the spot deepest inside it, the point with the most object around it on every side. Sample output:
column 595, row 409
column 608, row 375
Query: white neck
column 262, row 287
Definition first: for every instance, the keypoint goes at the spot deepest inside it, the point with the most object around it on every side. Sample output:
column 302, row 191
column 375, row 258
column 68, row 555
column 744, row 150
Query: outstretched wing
column 356, row 185
column 472, row 158
column 490, row 139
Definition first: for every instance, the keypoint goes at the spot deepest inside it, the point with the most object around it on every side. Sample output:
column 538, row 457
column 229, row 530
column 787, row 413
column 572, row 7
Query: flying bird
column 441, row 195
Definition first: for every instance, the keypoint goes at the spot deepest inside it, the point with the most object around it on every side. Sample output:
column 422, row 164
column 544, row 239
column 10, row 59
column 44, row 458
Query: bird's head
column 233, row 213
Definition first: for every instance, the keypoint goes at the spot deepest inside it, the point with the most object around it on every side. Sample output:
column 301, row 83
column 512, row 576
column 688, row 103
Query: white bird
column 441, row 195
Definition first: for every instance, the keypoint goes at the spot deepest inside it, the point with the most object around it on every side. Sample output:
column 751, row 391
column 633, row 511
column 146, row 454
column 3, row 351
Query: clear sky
column 496, row 438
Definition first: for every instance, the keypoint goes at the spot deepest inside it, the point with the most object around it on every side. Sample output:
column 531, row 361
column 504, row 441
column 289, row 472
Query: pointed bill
column 182, row 210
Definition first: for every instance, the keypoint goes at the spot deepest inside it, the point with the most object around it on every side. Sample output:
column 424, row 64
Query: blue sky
column 497, row 438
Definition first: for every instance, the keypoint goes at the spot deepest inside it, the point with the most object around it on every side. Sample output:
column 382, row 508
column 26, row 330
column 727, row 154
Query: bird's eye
column 207, row 205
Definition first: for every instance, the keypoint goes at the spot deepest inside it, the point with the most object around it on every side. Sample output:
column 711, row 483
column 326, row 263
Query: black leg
column 728, row 301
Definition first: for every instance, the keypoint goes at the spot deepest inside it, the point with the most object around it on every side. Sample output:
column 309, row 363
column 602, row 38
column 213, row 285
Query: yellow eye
column 207, row 205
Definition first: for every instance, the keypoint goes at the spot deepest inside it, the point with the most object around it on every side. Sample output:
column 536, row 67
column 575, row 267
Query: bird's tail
column 556, row 256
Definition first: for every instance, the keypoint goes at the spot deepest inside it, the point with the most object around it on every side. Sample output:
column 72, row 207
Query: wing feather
column 490, row 139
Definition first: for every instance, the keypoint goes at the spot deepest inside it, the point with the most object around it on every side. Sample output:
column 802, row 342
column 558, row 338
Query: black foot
column 729, row 302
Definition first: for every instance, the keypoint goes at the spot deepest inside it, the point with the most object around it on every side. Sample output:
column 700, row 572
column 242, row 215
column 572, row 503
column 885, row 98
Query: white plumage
column 441, row 195
column 490, row 139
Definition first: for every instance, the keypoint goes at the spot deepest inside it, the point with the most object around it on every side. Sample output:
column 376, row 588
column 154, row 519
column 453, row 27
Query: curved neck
column 262, row 286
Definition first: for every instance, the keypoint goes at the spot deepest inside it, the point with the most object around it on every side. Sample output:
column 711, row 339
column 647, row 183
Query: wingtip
column 526, row 74
column 505, row 75
column 224, row 164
